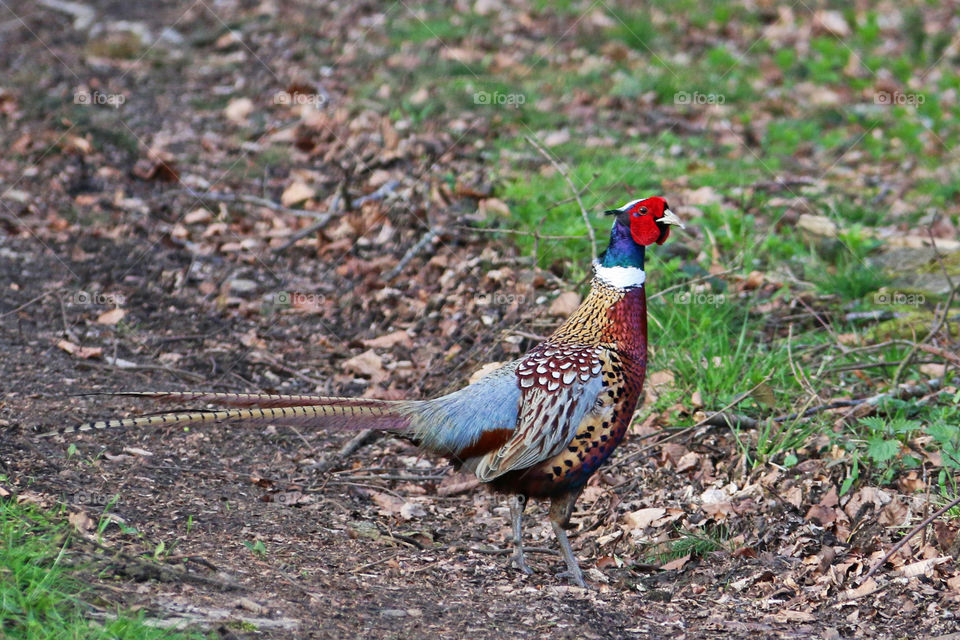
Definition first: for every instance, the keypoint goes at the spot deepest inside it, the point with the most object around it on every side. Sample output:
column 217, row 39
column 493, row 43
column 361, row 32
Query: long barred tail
column 259, row 400
column 310, row 411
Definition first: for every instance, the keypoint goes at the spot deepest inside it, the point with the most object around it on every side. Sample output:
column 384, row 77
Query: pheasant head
column 637, row 224
column 648, row 220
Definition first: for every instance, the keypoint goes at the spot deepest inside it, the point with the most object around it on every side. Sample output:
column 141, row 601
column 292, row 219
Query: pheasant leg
column 561, row 508
column 517, row 505
column 573, row 569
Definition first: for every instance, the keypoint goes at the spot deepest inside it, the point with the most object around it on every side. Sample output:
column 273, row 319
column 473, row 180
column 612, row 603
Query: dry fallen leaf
column 81, row 521
column 113, row 316
column 565, row 304
column 676, row 565
column 486, row 369
column 642, row 518
column 81, row 352
column 296, row 193
column 389, row 505
column 367, row 364
column 390, row 340
column 923, row 567
column 491, row 207
column 238, row 110
column 411, row 510
column 868, row 587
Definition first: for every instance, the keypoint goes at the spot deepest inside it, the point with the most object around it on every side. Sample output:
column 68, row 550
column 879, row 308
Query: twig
column 263, row 357
column 687, row 283
column 871, row 365
column 386, row 189
column 779, row 184
column 246, row 198
column 531, row 336
column 677, row 434
column 311, row 229
column 904, row 392
column 585, row 188
column 159, row 572
column 364, row 567
column 522, row 232
column 112, row 363
column 798, row 373
column 353, row 445
column 730, row 420
column 506, row 552
column 912, row 533
column 399, row 537
column 408, row 477
column 412, row 253
column 25, row 304
column 576, row 193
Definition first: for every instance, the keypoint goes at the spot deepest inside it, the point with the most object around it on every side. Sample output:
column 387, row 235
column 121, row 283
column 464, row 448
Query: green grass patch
column 41, row 592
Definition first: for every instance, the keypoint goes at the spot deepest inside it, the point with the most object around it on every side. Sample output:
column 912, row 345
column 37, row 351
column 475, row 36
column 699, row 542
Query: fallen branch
column 353, row 445
column 412, row 253
column 917, row 529
column 312, row 229
column 386, row 189
column 723, row 418
column 127, row 565
column 246, row 198
column 576, row 193
column 506, row 552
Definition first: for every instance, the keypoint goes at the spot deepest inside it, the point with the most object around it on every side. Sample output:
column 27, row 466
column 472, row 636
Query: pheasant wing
column 558, row 385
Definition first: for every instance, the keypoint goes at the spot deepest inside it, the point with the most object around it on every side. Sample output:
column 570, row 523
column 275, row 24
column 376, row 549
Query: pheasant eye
column 643, row 209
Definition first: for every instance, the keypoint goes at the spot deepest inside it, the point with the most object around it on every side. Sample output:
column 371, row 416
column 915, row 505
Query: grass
column 694, row 543
column 716, row 338
column 41, row 588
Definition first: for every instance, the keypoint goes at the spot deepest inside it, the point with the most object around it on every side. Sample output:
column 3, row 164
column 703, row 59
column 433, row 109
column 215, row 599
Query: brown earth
column 384, row 545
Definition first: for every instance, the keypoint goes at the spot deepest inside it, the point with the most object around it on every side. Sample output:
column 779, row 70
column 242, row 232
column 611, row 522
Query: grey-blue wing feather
column 453, row 422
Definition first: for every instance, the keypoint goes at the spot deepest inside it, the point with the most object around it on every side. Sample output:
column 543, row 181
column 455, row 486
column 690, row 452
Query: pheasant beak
column 669, row 217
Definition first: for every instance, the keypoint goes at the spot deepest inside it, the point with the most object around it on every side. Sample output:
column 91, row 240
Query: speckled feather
column 611, row 323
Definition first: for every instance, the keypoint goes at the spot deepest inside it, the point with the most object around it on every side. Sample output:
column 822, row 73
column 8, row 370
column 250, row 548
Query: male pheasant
column 537, row 427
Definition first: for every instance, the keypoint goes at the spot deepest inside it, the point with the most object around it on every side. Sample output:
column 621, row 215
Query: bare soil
column 257, row 541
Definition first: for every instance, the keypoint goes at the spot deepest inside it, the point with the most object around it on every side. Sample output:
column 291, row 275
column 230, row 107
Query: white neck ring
column 620, row 277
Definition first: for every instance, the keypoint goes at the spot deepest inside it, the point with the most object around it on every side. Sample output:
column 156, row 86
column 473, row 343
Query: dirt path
column 101, row 212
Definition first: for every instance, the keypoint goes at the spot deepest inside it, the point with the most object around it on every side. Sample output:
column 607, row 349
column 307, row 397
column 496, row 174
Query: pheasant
column 537, row 427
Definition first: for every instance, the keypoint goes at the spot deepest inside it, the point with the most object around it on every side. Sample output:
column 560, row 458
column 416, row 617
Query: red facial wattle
column 664, row 233
column 645, row 230
column 643, row 222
